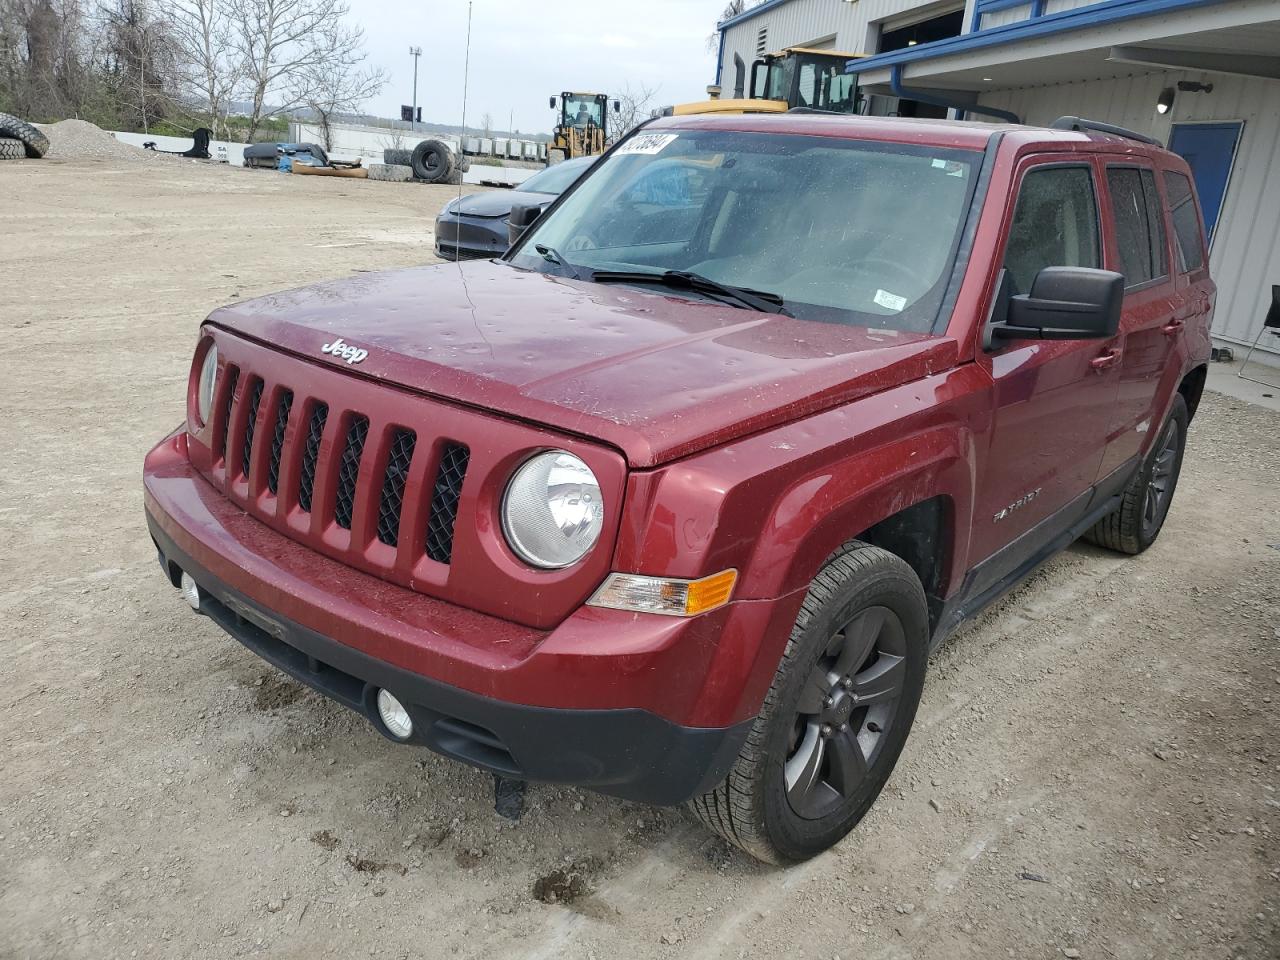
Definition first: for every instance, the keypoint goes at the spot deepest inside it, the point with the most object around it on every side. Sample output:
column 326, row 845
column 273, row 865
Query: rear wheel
column 1140, row 517
column 837, row 715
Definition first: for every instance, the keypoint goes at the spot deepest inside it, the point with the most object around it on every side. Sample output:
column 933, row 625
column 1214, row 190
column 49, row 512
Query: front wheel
column 837, row 715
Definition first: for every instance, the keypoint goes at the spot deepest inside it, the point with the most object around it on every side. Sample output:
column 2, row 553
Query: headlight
column 208, row 376
column 553, row 512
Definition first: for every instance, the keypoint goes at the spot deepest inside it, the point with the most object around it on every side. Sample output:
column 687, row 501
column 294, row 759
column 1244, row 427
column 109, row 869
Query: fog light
column 190, row 591
column 394, row 716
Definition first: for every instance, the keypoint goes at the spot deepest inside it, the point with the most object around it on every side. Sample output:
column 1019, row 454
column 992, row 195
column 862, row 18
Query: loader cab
column 808, row 78
column 581, row 127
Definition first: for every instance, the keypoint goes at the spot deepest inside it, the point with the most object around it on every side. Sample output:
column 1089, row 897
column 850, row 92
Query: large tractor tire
column 397, row 158
column 11, row 149
column 432, row 161
column 35, row 143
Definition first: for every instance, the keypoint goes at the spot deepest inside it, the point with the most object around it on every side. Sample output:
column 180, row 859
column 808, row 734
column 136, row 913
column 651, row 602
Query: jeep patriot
column 673, row 500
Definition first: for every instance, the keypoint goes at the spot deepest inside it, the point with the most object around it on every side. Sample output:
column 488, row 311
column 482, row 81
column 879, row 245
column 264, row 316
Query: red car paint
column 722, row 438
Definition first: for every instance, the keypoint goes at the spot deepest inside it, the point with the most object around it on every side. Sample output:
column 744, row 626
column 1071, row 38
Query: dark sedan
column 475, row 226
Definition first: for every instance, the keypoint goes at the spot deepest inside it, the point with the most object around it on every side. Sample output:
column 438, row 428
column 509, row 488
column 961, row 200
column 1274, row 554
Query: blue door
column 1209, row 149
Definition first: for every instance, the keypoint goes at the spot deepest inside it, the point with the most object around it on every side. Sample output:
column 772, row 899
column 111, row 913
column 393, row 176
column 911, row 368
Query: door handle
column 1172, row 328
column 1108, row 359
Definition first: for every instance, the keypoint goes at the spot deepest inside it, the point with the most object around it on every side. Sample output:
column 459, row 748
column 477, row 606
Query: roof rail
column 1096, row 126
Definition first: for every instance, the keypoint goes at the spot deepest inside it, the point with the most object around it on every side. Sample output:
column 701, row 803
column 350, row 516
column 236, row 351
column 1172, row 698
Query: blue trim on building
column 921, row 96
column 748, row 14
column 720, row 59
column 1094, row 15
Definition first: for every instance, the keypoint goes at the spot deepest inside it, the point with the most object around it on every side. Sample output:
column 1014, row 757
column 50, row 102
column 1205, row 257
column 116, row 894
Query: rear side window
column 1186, row 222
column 1140, row 233
column 1055, row 224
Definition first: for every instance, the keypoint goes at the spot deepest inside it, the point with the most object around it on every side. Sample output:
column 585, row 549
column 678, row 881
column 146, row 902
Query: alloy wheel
column 846, row 711
column 1161, row 480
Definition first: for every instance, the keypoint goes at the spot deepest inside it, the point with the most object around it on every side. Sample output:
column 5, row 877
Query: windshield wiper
column 760, row 300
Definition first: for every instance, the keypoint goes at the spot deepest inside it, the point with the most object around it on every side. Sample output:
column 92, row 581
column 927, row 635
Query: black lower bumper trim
column 628, row 753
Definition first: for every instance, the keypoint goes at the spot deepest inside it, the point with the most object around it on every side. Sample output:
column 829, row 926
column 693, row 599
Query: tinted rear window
column 1139, row 224
column 1186, row 222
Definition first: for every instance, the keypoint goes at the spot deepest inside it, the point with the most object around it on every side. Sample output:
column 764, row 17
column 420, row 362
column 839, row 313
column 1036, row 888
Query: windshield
column 556, row 179
column 845, row 231
column 578, row 110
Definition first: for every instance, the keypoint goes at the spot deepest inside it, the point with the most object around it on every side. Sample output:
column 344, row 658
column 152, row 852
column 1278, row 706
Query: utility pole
column 414, row 52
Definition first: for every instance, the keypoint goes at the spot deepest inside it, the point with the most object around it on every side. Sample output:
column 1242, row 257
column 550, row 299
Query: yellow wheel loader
column 582, row 130
column 795, row 77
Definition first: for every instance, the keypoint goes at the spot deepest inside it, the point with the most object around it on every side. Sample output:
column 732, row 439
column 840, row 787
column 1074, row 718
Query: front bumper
column 461, row 238
column 598, row 702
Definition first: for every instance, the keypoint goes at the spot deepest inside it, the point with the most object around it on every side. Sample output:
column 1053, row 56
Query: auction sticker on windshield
column 648, row 143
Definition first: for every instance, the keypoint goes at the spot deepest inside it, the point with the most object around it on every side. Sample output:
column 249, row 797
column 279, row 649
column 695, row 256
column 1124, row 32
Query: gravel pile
column 81, row 140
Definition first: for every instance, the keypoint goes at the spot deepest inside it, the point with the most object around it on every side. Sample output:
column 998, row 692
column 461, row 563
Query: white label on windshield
column 890, row 301
column 649, row 143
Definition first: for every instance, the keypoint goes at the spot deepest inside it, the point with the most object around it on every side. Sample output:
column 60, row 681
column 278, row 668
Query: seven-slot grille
column 353, row 446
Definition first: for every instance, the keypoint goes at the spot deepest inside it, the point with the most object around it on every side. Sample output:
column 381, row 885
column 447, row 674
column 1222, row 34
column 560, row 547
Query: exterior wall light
column 1165, row 103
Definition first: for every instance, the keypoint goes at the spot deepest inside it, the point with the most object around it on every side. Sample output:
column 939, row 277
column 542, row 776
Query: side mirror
column 521, row 218
column 617, row 106
column 1065, row 303
column 553, row 103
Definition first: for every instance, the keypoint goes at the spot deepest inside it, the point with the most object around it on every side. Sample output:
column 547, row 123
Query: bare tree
column 211, row 66
column 486, row 124
column 283, row 42
column 635, row 104
column 334, row 86
column 731, row 9
column 142, row 57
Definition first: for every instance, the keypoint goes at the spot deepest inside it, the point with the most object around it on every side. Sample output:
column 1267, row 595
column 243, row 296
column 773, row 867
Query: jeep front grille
column 444, row 502
column 340, row 461
column 393, row 481
column 250, row 427
column 277, row 439
column 349, row 471
column 310, row 454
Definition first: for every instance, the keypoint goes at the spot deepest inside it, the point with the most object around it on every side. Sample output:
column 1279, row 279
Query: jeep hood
column 656, row 375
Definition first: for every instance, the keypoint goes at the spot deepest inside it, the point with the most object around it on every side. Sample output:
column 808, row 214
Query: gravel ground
column 82, row 140
column 1095, row 770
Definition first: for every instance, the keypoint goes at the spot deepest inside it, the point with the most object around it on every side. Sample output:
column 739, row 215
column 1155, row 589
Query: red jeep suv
column 674, row 499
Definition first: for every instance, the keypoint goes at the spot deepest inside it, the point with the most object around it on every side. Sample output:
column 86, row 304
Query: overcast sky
column 523, row 52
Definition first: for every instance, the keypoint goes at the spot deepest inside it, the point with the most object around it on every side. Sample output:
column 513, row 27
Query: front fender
column 776, row 505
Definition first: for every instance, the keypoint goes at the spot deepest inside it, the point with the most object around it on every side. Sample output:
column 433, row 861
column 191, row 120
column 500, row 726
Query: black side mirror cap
column 521, row 218
column 553, row 103
column 617, row 106
column 1065, row 303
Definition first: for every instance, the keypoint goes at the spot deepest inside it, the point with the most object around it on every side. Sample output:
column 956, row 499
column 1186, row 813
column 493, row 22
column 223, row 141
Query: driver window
column 1055, row 224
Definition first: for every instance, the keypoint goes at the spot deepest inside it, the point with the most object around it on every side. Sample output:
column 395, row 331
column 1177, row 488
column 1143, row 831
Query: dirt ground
column 1095, row 770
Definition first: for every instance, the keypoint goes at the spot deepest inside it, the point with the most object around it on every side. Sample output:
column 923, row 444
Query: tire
column 1145, row 504
column 866, row 614
column 35, row 142
column 397, row 158
column 11, row 149
column 432, row 161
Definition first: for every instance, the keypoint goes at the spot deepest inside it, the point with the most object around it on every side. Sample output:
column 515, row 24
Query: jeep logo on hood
column 344, row 351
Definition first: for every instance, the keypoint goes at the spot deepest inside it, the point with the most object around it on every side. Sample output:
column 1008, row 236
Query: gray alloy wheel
column 846, row 712
column 1161, row 479
column 1136, row 523
column 837, row 715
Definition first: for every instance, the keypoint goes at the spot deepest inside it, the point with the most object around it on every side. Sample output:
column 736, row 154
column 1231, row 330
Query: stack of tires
column 431, row 161
column 19, row 139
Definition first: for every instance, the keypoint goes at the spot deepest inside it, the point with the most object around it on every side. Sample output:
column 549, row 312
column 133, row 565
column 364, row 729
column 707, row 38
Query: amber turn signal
column 663, row 595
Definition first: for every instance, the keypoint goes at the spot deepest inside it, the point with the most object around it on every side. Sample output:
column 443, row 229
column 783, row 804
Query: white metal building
column 1200, row 75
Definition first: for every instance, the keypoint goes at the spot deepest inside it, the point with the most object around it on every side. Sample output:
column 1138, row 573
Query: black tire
column 11, row 149
column 866, row 604
column 397, row 158
column 1145, row 504
column 35, row 142
column 432, row 161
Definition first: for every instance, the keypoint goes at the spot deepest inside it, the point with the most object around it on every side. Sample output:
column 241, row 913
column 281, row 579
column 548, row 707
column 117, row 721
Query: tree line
column 153, row 65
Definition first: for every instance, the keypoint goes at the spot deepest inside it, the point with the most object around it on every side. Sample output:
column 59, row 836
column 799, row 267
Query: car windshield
column 845, row 231
column 556, row 179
